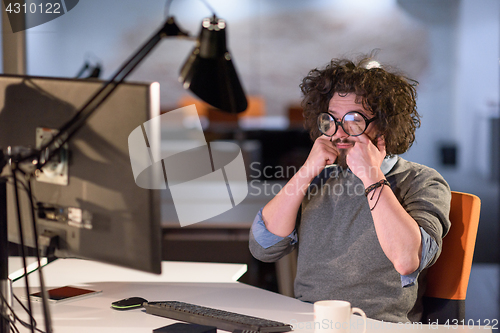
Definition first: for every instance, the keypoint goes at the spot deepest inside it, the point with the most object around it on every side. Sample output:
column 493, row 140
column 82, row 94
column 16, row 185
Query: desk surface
column 75, row 271
column 93, row 314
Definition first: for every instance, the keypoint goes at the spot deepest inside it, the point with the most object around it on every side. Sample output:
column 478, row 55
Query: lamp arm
column 69, row 129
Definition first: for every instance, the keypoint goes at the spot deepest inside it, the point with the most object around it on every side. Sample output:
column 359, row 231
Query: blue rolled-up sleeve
column 429, row 250
column 264, row 237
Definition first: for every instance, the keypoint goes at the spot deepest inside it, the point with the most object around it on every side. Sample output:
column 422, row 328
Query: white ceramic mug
column 335, row 317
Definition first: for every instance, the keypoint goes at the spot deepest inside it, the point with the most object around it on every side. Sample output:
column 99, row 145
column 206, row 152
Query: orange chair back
column 449, row 276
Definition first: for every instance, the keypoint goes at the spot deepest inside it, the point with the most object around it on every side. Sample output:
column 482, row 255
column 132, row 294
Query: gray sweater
column 339, row 256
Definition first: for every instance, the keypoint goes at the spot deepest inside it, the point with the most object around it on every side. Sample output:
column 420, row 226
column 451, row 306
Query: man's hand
column 322, row 154
column 364, row 158
column 280, row 213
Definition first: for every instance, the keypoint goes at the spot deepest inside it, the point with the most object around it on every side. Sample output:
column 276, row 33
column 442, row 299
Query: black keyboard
column 224, row 320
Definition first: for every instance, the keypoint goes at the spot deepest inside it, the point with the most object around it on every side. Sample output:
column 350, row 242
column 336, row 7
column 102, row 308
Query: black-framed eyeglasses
column 353, row 123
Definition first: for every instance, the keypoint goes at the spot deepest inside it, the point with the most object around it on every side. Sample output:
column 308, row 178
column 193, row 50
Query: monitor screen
column 117, row 221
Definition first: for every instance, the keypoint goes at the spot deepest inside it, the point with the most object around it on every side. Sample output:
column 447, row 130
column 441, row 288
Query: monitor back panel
column 125, row 218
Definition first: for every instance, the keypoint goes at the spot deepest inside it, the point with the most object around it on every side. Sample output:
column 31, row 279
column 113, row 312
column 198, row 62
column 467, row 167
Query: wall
column 477, row 85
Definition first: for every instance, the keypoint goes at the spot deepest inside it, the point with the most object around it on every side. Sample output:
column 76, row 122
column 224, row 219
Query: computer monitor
column 122, row 220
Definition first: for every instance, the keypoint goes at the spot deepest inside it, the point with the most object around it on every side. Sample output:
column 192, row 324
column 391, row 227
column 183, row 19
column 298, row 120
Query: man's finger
column 363, row 138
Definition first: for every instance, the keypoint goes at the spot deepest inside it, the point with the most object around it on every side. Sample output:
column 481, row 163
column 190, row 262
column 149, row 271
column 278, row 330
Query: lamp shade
column 209, row 72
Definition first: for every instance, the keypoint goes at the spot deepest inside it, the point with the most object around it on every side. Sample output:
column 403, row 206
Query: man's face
column 339, row 105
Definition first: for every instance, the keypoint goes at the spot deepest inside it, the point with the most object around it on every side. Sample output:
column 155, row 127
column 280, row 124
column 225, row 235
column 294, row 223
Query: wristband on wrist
column 373, row 188
column 370, row 188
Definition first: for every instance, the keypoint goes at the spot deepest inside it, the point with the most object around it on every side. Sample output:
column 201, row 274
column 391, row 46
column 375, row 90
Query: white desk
column 75, row 271
column 93, row 314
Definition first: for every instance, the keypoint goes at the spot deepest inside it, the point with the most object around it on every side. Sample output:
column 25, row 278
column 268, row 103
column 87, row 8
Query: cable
column 14, row 171
column 10, row 318
column 28, row 177
column 14, row 328
column 45, row 295
column 16, row 317
column 25, row 184
column 209, row 7
column 25, row 309
column 21, row 185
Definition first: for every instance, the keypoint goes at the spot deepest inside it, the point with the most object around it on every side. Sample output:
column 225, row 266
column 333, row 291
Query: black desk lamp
column 208, row 73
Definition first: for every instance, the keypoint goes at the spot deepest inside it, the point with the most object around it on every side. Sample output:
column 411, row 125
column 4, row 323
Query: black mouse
column 128, row 303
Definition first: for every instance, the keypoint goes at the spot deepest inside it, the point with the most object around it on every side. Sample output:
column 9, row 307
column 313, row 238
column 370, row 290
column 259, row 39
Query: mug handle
column 363, row 315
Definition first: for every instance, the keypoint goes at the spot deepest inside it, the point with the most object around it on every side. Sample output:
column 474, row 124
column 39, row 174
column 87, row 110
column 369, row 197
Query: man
column 368, row 226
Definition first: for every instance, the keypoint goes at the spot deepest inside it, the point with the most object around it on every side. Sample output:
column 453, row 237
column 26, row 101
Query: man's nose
column 341, row 134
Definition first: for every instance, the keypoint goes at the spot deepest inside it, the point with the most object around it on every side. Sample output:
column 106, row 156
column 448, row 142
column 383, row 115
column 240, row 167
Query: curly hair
column 389, row 95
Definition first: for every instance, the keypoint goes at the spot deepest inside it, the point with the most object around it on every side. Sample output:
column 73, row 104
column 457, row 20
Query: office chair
column 447, row 279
